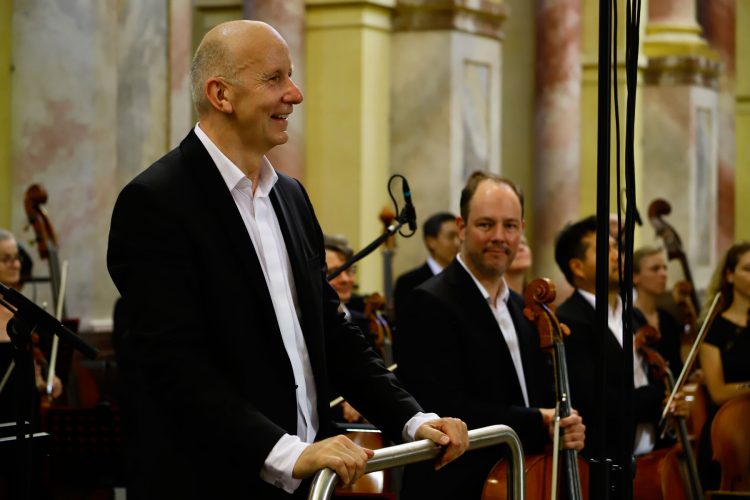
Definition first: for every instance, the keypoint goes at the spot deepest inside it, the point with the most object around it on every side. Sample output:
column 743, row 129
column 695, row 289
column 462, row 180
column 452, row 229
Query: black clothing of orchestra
column 669, row 344
column 408, row 282
column 578, row 314
column 452, row 356
column 202, row 354
column 733, row 342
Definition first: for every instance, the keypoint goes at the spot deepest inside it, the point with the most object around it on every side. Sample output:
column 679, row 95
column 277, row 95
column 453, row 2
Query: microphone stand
column 404, row 217
column 27, row 318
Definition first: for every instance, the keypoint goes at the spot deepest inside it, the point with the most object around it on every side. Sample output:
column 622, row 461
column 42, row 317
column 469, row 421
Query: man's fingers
column 338, row 453
column 451, row 433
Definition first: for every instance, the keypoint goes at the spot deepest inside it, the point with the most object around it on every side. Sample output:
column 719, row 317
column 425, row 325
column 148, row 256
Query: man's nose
column 294, row 94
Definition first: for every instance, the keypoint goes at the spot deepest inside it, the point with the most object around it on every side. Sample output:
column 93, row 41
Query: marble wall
column 445, row 119
column 89, row 111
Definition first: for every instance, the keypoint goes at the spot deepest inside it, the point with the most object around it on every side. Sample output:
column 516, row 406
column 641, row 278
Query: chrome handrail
column 408, row 453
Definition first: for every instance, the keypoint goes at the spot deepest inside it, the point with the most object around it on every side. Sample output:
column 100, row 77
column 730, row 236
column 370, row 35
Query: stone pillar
column 6, row 179
column 742, row 123
column 182, row 115
column 288, row 17
column 717, row 18
column 445, row 110
column 557, row 131
column 347, row 105
column 89, row 112
column 681, row 127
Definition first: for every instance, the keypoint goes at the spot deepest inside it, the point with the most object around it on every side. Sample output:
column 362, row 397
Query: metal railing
column 403, row 454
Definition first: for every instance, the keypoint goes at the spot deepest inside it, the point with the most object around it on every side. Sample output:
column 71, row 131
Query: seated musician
column 337, row 252
column 725, row 351
column 575, row 254
column 466, row 348
column 10, row 275
column 650, row 281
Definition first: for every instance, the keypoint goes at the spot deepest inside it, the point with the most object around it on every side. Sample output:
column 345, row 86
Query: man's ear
column 576, row 268
column 219, row 94
column 461, row 224
column 429, row 242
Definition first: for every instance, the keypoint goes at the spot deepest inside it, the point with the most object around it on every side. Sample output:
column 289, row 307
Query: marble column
column 557, row 130
column 717, row 18
column 742, row 123
column 445, row 108
column 89, row 112
column 6, row 38
column 288, row 17
column 681, row 129
column 347, row 103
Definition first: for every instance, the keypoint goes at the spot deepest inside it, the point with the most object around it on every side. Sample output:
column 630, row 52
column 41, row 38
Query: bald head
column 224, row 51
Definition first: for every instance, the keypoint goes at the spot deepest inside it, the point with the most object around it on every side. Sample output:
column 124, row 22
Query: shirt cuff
column 279, row 465
column 414, row 423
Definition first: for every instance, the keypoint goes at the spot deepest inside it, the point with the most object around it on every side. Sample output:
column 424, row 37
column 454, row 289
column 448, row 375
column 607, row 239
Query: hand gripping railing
column 403, row 454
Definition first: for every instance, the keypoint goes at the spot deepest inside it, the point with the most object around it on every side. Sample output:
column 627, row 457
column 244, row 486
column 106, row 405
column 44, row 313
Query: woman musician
column 10, row 276
column 725, row 352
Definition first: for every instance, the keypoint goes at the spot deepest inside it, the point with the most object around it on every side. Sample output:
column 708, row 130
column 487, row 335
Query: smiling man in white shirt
column 233, row 335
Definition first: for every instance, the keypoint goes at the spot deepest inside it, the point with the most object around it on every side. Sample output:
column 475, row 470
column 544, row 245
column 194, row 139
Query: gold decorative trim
column 682, row 70
column 477, row 17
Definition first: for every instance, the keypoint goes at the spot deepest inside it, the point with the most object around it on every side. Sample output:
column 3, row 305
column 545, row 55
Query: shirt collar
column 504, row 291
column 434, row 266
column 591, row 299
column 231, row 173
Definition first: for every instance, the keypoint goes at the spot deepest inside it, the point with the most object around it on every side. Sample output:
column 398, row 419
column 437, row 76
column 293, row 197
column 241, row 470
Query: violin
column 375, row 305
column 542, row 472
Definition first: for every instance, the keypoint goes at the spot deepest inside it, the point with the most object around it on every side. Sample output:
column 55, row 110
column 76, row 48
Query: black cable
column 395, row 205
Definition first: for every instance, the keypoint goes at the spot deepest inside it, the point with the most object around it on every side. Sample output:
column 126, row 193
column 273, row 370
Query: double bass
column 45, row 238
column 542, row 471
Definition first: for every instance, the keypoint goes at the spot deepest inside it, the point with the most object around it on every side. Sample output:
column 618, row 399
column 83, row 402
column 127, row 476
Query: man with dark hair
column 441, row 239
column 466, row 347
column 575, row 253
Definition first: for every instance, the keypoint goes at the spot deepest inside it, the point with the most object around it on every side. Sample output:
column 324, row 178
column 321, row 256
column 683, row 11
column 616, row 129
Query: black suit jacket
column 452, row 356
column 580, row 350
column 408, row 282
column 202, row 356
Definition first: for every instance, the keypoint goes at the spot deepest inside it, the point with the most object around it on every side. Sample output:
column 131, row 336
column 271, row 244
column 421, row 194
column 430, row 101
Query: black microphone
column 409, row 212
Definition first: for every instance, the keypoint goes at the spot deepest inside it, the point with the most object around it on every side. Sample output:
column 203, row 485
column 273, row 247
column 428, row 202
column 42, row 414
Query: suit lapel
column 227, row 219
column 483, row 325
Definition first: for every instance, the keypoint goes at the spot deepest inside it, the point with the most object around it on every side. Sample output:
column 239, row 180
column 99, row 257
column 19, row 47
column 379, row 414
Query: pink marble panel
column 288, row 17
column 556, row 128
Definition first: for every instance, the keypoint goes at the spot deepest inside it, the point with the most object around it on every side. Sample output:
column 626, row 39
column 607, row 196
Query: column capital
column 330, row 14
column 478, row 17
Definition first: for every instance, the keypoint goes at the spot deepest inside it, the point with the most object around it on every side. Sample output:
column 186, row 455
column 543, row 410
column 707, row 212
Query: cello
column 670, row 467
column 542, row 471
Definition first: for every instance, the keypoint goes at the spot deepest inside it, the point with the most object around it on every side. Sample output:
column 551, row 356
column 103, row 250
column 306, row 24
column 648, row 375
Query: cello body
column 730, row 437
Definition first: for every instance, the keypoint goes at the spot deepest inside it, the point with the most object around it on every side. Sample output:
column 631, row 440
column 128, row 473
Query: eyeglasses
column 8, row 259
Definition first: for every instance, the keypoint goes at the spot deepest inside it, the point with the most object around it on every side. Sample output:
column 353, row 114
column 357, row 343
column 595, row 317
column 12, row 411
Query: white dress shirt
column 263, row 227
column 505, row 322
column 434, row 266
column 645, row 433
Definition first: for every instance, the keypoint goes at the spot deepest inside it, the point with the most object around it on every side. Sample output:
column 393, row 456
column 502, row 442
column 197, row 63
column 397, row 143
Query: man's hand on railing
column 338, row 453
column 451, row 433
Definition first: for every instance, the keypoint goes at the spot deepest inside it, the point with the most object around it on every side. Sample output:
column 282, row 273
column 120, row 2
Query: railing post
column 325, row 480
